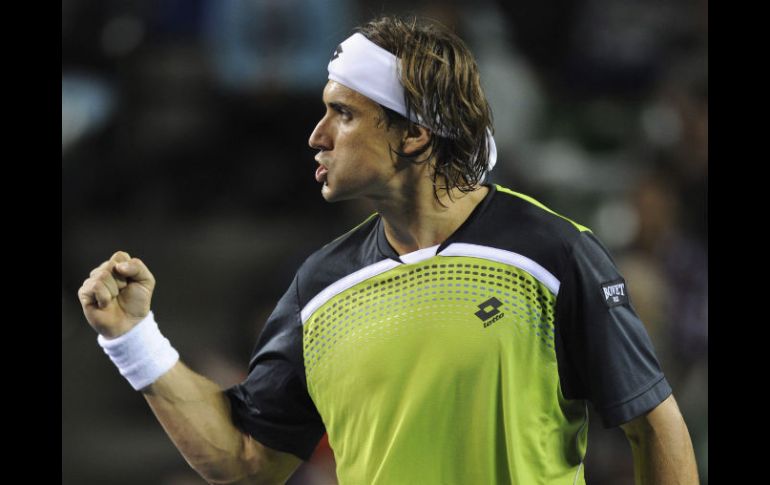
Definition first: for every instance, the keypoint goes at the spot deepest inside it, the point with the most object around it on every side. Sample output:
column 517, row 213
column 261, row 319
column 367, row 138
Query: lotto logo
column 489, row 309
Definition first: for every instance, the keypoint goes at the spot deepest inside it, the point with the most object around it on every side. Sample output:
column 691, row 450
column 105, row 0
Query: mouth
column 320, row 174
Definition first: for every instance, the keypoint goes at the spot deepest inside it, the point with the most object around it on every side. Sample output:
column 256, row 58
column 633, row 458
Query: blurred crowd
column 184, row 142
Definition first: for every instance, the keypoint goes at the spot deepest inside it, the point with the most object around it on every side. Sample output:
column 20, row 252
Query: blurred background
column 184, row 142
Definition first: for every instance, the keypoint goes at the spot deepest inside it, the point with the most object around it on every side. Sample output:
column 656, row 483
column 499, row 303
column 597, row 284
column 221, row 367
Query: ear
column 415, row 138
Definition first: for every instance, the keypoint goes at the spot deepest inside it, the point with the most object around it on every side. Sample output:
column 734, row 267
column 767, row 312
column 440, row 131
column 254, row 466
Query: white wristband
column 142, row 354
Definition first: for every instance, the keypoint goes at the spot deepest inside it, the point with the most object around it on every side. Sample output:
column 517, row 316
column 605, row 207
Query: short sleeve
column 604, row 352
column 272, row 404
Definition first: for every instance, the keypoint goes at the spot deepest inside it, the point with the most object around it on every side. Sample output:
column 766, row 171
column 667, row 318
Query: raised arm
column 661, row 445
column 193, row 410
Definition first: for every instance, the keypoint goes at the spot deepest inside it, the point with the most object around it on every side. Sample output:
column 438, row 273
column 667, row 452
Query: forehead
column 335, row 92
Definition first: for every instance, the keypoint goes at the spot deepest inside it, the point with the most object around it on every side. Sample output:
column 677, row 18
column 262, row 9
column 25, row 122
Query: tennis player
column 455, row 336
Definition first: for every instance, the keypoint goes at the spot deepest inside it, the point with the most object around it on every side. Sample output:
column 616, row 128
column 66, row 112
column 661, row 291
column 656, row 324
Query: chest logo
column 489, row 311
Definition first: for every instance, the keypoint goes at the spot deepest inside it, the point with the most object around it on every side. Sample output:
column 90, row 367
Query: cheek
column 357, row 151
column 363, row 149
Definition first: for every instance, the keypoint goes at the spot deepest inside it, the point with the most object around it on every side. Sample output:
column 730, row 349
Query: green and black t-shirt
column 466, row 362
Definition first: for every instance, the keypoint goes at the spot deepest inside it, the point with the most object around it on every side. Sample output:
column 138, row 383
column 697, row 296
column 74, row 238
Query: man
column 453, row 337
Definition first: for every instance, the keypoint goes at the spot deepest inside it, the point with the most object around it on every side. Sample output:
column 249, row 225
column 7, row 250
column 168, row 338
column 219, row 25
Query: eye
column 346, row 115
column 343, row 112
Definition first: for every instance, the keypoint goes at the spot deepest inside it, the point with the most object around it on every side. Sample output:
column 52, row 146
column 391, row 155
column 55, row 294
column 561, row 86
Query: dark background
column 184, row 142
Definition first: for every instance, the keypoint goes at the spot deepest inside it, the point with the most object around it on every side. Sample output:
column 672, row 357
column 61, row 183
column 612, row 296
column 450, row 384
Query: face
column 353, row 146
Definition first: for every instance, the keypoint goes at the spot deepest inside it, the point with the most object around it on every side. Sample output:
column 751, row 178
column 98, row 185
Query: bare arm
column 661, row 445
column 193, row 410
column 196, row 415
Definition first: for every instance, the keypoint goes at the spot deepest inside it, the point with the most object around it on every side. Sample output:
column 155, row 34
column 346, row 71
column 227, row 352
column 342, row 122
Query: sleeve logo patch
column 615, row 293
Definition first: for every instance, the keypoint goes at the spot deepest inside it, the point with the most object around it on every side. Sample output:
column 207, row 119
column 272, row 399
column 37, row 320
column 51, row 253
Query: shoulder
column 531, row 210
column 345, row 255
column 520, row 224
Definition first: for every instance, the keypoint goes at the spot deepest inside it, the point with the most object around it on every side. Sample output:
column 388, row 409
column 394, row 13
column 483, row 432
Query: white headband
column 367, row 68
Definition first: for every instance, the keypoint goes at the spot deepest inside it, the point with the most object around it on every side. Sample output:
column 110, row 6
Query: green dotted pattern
column 437, row 292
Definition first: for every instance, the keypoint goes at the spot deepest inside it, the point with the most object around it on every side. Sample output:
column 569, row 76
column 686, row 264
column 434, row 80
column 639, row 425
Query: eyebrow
column 341, row 106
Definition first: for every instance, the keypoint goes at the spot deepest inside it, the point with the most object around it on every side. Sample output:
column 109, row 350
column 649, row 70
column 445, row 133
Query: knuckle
column 103, row 276
column 101, row 267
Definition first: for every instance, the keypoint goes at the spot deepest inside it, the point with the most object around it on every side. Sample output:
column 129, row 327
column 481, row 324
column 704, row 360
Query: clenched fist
column 117, row 295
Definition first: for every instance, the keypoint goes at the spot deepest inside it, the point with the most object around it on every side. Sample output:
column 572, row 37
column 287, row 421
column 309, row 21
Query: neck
column 414, row 219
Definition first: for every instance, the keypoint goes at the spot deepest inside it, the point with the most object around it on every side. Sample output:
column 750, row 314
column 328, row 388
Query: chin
column 329, row 194
column 333, row 194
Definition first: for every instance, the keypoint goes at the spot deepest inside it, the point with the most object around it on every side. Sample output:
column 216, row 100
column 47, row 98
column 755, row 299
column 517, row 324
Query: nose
column 319, row 138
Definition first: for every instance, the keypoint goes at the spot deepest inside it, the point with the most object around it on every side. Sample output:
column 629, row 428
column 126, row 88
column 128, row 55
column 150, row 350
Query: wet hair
column 441, row 85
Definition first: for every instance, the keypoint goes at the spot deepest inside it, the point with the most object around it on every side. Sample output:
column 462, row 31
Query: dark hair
column 442, row 86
